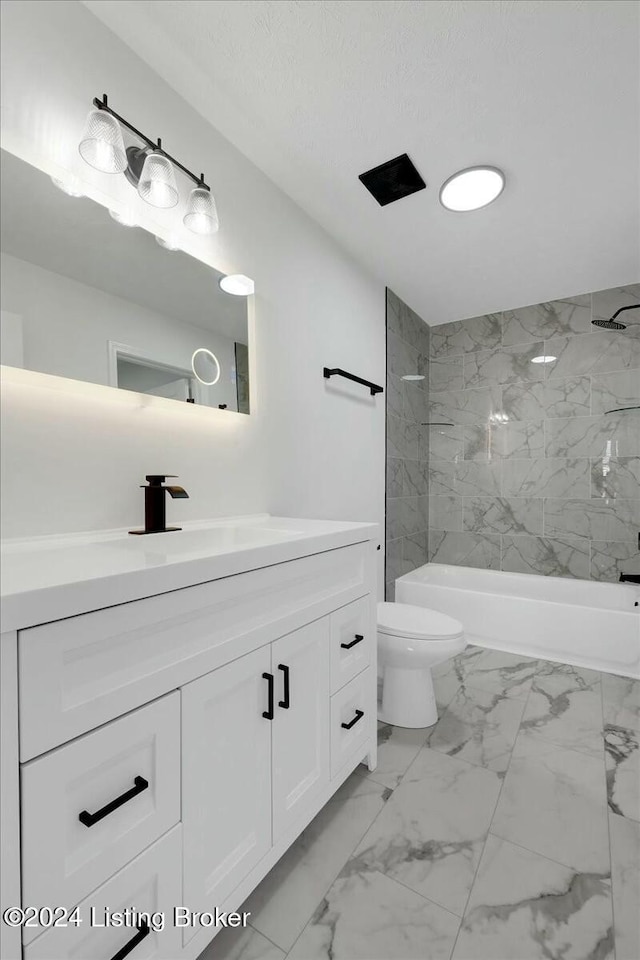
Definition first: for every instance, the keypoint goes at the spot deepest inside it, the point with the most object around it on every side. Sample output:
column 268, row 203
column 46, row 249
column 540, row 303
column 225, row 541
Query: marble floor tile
column 625, row 880
column 478, row 726
column 508, row 674
column 371, row 917
column 621, row 701
column 526, row 907
column 565, row 706
column 430, row 835
column 397, row 748
column 553, row 802
column 623, row 770
column 446, row 684
column 241, row 944
column 282, row 904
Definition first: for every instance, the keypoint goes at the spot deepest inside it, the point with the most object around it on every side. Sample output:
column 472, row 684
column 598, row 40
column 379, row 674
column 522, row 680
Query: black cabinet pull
column 268, row 713
column 90, row 818
column 143, row 931
column 285, row 703
column 359, row 715
column 358, row 638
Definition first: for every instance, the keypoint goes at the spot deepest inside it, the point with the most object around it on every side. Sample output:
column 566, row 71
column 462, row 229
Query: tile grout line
column 475, row 875
column 606, row 800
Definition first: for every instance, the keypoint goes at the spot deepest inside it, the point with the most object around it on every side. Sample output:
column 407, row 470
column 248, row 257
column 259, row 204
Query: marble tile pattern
column 407, row 454
column 507, row 831
column 535, row 475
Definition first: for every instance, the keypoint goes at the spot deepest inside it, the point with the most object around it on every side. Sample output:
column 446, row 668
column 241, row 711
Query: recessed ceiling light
column 237, row 284
column 472, row 188
column 543, row 359
column 413, row 376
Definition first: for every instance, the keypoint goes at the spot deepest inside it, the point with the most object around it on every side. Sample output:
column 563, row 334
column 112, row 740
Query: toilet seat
column 416, row 623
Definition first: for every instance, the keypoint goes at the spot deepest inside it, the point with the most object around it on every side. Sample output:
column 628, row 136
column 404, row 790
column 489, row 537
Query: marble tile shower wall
column 407, row 405
column 534, row 476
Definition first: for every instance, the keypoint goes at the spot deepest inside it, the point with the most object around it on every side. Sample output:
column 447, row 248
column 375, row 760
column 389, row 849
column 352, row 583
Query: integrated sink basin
column 52, row 575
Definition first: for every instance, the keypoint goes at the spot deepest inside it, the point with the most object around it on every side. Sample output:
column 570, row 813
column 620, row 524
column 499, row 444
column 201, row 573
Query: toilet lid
column 416, row 623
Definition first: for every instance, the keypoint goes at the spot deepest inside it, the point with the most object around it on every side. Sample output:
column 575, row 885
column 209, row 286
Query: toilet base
column 408, row 698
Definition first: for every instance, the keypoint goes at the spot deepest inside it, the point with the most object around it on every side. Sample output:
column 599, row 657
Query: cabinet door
column 226, row 778
column 300, row 741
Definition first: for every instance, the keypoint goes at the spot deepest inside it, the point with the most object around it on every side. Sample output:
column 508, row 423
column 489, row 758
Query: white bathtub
column 581, row 622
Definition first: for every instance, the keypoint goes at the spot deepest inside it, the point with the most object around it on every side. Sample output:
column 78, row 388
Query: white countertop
column 49, row 578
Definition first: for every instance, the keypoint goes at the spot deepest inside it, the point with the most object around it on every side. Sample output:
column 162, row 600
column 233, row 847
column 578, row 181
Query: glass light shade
column 157, row 184
column 102, row 146
column 471, row 189
column 237, row 284
column 201, row 216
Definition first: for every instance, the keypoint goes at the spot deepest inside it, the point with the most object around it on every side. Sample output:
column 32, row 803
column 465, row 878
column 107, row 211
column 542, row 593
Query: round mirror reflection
column 205, row 366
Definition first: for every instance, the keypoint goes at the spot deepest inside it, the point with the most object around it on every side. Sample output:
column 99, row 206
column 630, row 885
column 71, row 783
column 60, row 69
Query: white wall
column 74, row 454
column 67, row 327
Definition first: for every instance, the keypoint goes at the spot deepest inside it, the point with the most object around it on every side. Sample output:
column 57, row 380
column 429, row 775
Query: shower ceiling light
column 157, row 184
column 102, row 146
column 237, row 284
column 413, row 376
column 472, row 188
column 543, row 359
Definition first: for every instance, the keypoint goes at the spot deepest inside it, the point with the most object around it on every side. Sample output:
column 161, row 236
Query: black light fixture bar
column 155, row 145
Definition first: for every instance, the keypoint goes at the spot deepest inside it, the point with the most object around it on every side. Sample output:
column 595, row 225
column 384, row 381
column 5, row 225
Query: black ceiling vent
column 393, row 180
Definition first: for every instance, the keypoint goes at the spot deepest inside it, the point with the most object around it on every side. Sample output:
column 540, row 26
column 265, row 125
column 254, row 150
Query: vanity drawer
column 351, row 719
column 151, row 883
column 351, row 641
column 78, row 673
column 123, row 780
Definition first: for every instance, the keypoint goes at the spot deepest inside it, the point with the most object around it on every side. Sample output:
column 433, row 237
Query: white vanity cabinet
column 173, row 746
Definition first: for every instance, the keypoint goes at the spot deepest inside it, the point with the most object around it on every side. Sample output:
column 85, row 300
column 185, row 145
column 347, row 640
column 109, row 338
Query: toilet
column 412, row 640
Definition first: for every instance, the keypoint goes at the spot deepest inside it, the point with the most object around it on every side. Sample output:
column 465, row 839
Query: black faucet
column 155, row 516
column 629, row 578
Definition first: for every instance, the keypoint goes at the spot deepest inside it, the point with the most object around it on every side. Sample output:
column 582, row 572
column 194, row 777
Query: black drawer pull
column 347, row 646
column 143, row 931
column 268, row 713
column 90, row 818
column 359, row 715
column 285, row 703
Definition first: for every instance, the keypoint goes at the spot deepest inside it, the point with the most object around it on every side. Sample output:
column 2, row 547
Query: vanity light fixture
column 544, row 358
column 237, row 284
column 412, row 376
column 211, row 356
column 102, row 146
column 472, row 188
column 157, row 185
column 149, row 168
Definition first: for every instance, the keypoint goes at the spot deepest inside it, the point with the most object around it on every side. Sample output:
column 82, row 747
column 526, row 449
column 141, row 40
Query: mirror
column 85, row 297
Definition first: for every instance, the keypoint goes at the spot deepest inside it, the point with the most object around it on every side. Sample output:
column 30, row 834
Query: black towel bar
column 337, row 372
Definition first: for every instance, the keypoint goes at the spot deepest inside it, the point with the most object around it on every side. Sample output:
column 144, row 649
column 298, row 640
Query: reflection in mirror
column 88, row 298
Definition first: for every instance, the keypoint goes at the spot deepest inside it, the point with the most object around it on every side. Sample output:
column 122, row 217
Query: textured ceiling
column 316, row 92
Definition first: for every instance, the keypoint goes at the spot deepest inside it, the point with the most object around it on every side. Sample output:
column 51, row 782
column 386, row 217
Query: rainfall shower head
column 614, row 324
